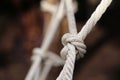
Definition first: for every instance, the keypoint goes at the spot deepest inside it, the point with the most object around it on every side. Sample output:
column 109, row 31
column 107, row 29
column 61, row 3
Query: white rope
column 51, row 59
column 57, row 17
column 37, row 75
column 66, row 73
column 73, row 43
column 71, row 20
column 52, row 9
column 46, row 70
column 47, row 7
column 97, row 14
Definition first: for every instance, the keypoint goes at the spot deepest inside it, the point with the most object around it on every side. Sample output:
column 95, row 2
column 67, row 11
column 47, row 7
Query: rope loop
column 75, row 40
column 37, row 53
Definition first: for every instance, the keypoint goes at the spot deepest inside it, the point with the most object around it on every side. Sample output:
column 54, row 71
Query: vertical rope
column 69, row 48
column 46, row 69
column 54, row 24
column 72, row 47
column 70, row 16
column 67, row 72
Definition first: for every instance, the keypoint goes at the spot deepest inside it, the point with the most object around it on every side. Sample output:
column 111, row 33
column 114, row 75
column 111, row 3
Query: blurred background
column 23, row 25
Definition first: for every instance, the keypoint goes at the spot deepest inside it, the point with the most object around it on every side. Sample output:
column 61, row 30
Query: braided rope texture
column 74, row 44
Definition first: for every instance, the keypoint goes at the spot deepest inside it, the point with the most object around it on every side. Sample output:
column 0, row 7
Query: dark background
column 21, row 25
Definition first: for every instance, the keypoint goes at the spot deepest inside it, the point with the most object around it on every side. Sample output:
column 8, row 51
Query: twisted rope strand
column 97, row 14
column 69, row 65
column 55, row 21
column 67, row 72
column 69, row 45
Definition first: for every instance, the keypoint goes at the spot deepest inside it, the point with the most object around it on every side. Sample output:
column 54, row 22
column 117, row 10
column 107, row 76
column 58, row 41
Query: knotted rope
column 39, row 53
column 73, row 42
column 55, row 21
column 50, row 59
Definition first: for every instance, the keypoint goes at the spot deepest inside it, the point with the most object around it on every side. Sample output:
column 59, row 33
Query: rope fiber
column 73, row 42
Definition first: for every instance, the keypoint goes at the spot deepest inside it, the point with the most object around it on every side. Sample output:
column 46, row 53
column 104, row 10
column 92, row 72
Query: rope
column 39, row 55
column 51, row 59
column 55, row 21
column 47, row 7
column 73, row 42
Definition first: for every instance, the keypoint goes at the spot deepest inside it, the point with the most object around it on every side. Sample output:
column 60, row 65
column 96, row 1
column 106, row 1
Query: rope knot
column 75, row 40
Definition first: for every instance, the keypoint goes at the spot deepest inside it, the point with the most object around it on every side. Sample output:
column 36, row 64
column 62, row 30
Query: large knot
column 76, row 42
